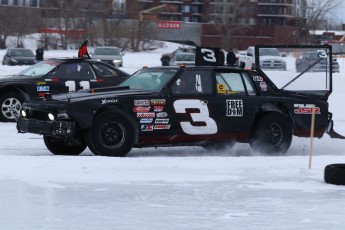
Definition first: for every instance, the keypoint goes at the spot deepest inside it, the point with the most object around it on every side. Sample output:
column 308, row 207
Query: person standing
column 221, row 58
column 39, row 54
column 231, row 58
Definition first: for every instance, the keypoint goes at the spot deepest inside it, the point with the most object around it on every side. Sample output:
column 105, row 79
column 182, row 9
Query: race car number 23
column 202, row 116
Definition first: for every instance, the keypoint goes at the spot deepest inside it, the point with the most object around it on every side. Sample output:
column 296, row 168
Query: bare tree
column 14, row 25
column 5, row 26
column 140, row 36
column 226, row 16
column 27, row 23
column 317, row 12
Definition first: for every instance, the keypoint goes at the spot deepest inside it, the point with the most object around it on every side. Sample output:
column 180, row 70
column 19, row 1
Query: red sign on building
column 168, row 24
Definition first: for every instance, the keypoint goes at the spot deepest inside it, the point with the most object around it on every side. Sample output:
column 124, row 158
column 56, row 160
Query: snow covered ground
column 170, row 188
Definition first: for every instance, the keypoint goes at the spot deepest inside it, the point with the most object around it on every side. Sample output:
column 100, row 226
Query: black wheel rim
column 274, row 134
column 113, row 134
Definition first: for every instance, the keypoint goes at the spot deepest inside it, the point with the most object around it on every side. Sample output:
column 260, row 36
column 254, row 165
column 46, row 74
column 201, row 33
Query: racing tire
column 272, row 135
column 11, row 104
column 62, row 146
column 112, row 133
column 335, row 174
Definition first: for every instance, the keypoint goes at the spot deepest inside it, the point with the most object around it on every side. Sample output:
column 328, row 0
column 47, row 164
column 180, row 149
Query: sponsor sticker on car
column 158, row 102
column 142, row 109
column 162, row 127
column 162, row 121
column 109, row 101
column 42, row 88
column 158, row 108
column 234, row 108
column 141, row 102
column 146, row 115
column 146, row 120
column 147, row 128
column 306, row 109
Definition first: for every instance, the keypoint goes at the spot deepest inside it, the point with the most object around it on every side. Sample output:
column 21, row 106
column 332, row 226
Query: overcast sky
column 340, row 12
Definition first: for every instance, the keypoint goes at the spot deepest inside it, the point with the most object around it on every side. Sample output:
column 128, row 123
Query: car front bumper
column 49, row 128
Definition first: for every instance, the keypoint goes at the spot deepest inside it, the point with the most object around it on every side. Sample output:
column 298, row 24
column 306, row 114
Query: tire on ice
column 335, row 174
column 272, row 134
column 112, row 133
column 62, row 146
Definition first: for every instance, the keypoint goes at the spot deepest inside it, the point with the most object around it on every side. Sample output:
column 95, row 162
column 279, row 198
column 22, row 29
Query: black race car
column 208, row 106
column 54, row 76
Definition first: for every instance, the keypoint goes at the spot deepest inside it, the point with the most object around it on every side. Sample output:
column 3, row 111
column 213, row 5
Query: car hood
column 107, row 57
column 263, row 58
column 105, row 95
column 14, row 79
column 99, row 93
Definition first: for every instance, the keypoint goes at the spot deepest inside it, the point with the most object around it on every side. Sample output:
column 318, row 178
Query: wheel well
column 271, row 108
column 127, row 113
column 14, row 90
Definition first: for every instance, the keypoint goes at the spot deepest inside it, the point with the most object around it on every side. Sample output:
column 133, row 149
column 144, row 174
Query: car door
column 210, row 110
column 237, row 102
column 191, row 104
column 106, row 75
column 70, row 77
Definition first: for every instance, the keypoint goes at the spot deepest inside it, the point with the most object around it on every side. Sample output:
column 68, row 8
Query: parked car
column 209, row 106
column 52, row 77
column 110, row 55
column 166, row 58
column 312, row 61
column 270, row 58
column 19, row 56
column 182, row 59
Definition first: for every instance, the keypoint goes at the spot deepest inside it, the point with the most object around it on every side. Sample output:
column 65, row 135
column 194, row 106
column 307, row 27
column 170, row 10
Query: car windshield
column 153, row 80
column 40, row 69
column 22, row 53
column 185, row 57
column 312, row 55
column 299, row 72
column 107, row 51
column 269, row 52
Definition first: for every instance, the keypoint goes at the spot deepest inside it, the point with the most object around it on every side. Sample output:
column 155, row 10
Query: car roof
column 185, row 53
column 110, row 47
column 75, row 59
column 18, row 49
column 194, row 67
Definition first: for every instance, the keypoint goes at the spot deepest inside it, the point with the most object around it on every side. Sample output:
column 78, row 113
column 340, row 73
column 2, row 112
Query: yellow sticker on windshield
column 221, row 88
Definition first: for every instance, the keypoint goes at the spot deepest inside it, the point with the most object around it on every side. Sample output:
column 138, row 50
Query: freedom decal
column 234, row 108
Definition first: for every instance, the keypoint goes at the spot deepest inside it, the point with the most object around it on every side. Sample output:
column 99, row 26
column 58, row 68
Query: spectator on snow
column 231, row 58
column 221, row 58
column 39, row 54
